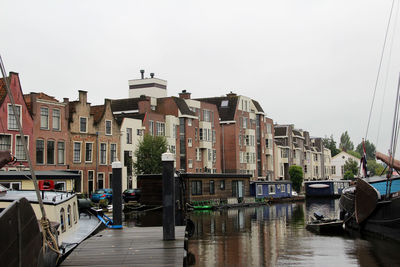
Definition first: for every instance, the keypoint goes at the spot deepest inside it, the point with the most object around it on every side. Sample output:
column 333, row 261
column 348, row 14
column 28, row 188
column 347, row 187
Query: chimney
column 142, row 73
column 231, row 94
column 152, row 75
column 184, row 94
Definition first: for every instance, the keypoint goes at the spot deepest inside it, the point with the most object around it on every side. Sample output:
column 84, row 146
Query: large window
column 5, row 142
column 108, row 128
column 212, row 187
column 12, row 121
column 50, row 152
column 56, row 119
column 77, row 152
column 113, row 152
column 197, row 187
column 19, row 148
column 103, row 153
column 39, row 151
column 160, row 128
column 88, row 152
column 83, row 124
column 44, row 118
column 129, row 135
column 61, row 152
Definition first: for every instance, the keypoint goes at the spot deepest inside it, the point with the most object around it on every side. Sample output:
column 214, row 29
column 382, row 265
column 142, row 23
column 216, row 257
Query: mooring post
column 168, row 189
column 117, row 194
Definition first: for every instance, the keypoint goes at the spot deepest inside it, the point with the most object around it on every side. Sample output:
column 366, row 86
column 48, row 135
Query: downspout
column 97, row 161
column 223, row 150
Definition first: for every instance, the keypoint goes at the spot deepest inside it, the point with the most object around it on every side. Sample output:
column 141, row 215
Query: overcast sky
column 311, row 63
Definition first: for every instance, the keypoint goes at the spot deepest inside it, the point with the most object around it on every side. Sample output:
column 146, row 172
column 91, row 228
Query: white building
column 337, row 164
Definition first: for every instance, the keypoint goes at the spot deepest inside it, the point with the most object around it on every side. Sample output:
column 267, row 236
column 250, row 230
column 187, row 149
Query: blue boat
column 325, row 188
column 271, row 189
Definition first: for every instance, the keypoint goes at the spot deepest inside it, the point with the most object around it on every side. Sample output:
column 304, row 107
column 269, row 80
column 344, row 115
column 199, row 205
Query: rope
column 379, row 69
column 48, row 237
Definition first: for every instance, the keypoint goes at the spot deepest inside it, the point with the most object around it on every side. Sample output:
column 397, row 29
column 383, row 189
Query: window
column 129, row 135
column 74, row 212
column 83, row 124
column 222, row 185
column 50, row 152
column 315, row 157
column 190, row 163
column 190, row 142
column 224, row 103
column 44, row 118
column 214, row 155
column 90, row 181
column 189, row 122
column 284, row 152
column 342, row 169
column 110, row 179
column 209, row 154
column 259, row 189
column 305, row 168
column 198, row 154
column 160, row 128
column 214, row 136
column 288, row 188
column 100, row 180
column 212, row 187
column 197, row 188
column 61, row 152
column 39, row 151
column 62, row 220
column 139, row 132
column 316, row 170
column 56, row 119
column 108, row 127
column 12, row 121
column 5, row 142
column 12, row 185
column 195, row 134
column 151, row 127
column 333, row 169
column 113, row 151
column 88, row 152
column 269, row 128
column 201, row 138
column 19, row 148
column 69, row 216
column 77, row 152
column 283, row 187
column 103, row 153
column 271, row 189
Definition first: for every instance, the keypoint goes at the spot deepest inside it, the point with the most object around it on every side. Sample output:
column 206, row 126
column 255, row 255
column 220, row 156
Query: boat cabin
column 325, row 188
column 271, row 189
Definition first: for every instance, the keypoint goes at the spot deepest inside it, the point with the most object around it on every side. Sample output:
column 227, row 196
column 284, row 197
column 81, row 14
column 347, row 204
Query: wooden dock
column 133, row 246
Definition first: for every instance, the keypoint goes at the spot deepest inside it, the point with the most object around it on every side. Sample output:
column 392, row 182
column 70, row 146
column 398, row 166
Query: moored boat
column 325, row 188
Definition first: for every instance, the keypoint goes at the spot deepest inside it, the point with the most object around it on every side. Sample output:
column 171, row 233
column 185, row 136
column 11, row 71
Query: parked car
column 99, row 194
column 131, row 195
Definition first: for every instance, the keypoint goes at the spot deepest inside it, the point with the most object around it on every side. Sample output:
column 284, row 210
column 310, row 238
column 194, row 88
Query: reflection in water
column 275, row 235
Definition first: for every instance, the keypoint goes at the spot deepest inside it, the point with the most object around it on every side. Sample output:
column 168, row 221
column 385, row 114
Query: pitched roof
column 226, row 112
column 120, row 117
column 3, row 89
column 40, row 95
column 97, row 112
column 125, row 104
column 258, row 106
column 183, row 107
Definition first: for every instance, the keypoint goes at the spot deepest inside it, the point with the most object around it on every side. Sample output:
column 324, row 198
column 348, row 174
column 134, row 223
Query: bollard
column 117, row 193
column 168, row 189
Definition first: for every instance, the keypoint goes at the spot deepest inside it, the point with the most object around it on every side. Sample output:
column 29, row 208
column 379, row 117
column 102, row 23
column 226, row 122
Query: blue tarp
column 381, row 186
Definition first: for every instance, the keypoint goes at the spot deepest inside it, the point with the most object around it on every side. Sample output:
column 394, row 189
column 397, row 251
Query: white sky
column 309, row 63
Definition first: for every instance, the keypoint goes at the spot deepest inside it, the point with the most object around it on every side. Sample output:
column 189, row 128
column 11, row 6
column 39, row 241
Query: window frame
column 56, row 119
column 81, row 118
column 80, row 152
column 108, row 128
column 47, row 152
column 44, row 118
column 19, row 108
column 58, row 152
column 91, row 152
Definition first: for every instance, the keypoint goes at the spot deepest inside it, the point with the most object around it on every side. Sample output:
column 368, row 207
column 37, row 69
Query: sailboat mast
column 24, row 144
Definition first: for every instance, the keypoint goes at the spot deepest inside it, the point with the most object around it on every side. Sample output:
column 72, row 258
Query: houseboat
column 271, row 189
column 325, row 188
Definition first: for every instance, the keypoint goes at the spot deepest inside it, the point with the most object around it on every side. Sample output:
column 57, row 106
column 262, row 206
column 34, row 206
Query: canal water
column 275, row 235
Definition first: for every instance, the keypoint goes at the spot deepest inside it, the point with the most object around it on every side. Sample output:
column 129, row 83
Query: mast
column 3, row 71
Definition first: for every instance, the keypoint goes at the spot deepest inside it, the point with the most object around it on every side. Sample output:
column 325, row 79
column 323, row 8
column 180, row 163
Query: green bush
column 348, row 175
column 103, row 203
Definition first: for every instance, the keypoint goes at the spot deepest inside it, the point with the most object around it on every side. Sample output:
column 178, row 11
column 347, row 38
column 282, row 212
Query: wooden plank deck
column 133, row 246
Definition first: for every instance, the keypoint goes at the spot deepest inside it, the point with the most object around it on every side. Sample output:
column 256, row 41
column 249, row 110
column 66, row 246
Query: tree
column 370, row 149
column 345, row 142
column 296, row 176
column 331, row 145
column 148, row 154
column 352, row 166
column 348, row 175
column 374, row 167
column 354, row 153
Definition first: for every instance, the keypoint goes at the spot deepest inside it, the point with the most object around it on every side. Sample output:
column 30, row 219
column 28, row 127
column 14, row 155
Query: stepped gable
column 227, row 112
column 183, row 107
column 280, row 131
column 258, row 106
column 125, row 104
column 97, row 112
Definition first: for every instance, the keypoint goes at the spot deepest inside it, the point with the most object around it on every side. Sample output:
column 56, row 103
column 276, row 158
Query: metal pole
column 117, row 192
column 168, row 189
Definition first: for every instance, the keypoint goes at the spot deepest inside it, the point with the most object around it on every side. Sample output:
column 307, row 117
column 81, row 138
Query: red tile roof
column 97, row 112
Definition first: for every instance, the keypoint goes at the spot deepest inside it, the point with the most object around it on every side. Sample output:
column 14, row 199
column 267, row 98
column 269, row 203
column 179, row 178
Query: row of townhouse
column 227, row 134
column 296, row 147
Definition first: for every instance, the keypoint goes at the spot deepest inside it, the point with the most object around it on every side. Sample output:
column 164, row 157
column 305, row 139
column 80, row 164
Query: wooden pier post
column 168, row 182
column 117, row 193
